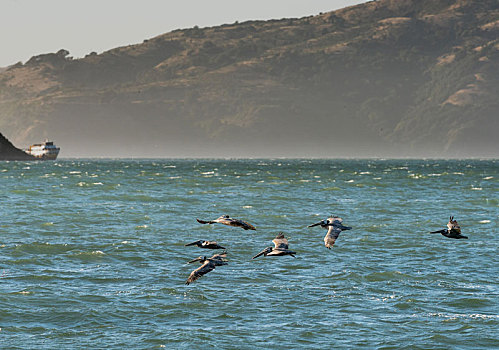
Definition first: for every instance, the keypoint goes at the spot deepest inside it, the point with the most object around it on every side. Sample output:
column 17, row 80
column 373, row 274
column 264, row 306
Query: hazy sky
column 32, row 27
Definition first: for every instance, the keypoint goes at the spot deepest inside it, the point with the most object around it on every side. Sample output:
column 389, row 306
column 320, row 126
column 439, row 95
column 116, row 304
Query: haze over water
column 92, row 254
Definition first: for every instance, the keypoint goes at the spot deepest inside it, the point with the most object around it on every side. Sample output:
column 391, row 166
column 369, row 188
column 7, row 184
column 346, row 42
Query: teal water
column 92, row 255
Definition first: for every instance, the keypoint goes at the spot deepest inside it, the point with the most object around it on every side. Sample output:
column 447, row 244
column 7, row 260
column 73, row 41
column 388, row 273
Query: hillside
column 411, row 78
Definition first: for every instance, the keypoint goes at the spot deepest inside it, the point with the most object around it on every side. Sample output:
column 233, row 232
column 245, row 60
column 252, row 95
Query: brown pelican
column 453, row 230
column 227, row 220
column 206, row 244
column 208, row 264
column 334, row 226
column 281, row 248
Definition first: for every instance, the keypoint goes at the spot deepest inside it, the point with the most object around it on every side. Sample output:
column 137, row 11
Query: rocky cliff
column 9, row 152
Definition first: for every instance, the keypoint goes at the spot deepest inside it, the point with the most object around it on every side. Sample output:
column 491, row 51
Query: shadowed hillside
column 385, row 78
column 9, row 152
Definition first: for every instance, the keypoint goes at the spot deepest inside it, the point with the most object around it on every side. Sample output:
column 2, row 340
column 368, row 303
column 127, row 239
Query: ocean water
column 92, row 255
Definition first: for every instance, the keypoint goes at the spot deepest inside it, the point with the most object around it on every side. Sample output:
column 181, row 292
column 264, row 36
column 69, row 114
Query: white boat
column 44, row 151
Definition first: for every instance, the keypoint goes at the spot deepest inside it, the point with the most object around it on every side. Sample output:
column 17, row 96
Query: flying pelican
column 206, row 244
column 208, row 264
column 281, row 248
column 334, row 226
column 453, row 230
column 227, row 220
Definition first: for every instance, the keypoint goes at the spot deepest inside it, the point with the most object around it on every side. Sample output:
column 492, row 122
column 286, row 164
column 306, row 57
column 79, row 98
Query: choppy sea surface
column 92, row 254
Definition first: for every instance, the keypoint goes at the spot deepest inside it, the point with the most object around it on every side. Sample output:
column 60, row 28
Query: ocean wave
column 457, row 316
column 43, row 248
column 334, row 188
column 467, row 302
column 88, row 255
column 24, row 292
column 387, row 275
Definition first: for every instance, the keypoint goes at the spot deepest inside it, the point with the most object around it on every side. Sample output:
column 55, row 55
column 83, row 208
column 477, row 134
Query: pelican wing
column 211, row 245
column 237, row 223
column 338, row 223
column 331, row 236
column 439, row 231
column 205, row 222
column 226, row 220
column 220, row 256
column 454, row 227
column 335, row 220
column 246, row 225
column 280, row 242
column 194, row 243
column 218, row 259
column 200, row 271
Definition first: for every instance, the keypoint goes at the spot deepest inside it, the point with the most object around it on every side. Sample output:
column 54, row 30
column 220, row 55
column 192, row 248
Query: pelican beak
column 345, row 228
column 263, row 252
column 193, row 261
column 316, row 224
column 256, row 256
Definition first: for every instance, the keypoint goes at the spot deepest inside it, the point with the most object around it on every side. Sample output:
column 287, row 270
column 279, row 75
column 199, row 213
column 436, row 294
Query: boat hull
column 44, row 151
column 48, row 157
